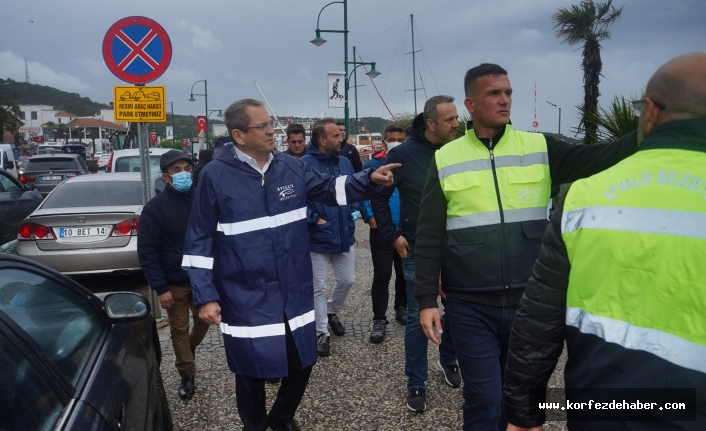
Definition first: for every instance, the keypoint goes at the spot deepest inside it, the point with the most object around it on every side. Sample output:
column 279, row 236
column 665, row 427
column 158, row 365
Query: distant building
column 41, row 121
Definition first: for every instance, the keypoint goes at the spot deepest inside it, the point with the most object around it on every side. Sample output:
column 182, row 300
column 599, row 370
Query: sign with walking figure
column 336, row 89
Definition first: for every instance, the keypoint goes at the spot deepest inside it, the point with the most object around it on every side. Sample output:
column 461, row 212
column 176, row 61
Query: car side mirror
column 126, row 307
column 9, row 164
column 29, row 186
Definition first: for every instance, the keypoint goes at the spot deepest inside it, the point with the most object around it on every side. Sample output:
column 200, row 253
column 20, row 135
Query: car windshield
column 95, row 194
column 132, row 164
column 51, row 164
column 62, row 322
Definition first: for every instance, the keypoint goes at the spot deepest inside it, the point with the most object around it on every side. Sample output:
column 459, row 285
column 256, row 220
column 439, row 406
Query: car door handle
column 121, row 416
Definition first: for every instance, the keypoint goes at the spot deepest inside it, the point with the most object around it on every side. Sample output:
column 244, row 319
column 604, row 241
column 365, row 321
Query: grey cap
column 172, row 156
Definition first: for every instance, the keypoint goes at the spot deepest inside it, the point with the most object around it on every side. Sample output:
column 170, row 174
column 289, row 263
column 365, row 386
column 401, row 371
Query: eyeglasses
column 262, row 127
column 637, row 105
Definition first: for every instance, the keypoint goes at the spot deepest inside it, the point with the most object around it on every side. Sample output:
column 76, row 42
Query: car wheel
column 163, row 418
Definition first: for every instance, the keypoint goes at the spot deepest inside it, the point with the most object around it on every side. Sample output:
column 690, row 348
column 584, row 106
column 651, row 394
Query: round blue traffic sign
column 137, row 50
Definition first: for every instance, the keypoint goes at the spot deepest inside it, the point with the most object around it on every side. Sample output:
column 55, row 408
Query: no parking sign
column 137, row 50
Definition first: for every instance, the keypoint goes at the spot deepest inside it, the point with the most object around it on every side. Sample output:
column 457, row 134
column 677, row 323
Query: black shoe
column 416, row 399
column 401, row 315
column 323, row 345
column 273, row 381
column 289, row 425
column 335, row 324
column 378, row 332
column 452, row 375
column 186, row 389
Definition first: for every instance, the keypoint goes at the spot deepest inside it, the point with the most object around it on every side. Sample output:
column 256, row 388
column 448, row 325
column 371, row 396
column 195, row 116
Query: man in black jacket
column 205, row 157
column 160, row 248
column 481, row 228
column 619, row 278
column 349, row 151
column 429, row 132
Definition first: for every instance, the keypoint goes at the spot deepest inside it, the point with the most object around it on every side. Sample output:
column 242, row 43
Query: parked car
column 74, row 148
column 129, row 160
column 73, row 361
column 7, row 159
column 49, row 170
column 17, row 201
column 88, row 224
column 103, row 161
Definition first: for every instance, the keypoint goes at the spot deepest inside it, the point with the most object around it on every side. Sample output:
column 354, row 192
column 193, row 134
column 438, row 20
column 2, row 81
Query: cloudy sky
column 232, row 42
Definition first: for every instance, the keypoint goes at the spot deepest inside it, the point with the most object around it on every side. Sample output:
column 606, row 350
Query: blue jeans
column 416, row 365
column 481, row 334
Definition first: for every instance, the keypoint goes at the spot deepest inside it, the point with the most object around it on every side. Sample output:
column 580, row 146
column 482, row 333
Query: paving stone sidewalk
column 361, row 386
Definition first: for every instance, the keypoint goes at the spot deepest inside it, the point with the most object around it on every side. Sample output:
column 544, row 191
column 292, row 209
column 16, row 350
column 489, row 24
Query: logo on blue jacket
column 286, row 192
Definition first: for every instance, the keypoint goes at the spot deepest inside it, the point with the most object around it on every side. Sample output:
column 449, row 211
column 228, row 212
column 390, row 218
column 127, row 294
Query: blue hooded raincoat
column 247, row 247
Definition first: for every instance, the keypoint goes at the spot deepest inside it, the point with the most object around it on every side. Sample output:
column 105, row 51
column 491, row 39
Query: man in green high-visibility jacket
column 481, row 222
column 621, row 277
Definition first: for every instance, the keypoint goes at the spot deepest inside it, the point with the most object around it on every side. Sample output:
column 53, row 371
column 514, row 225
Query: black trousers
column 384, row 257
column 250, row 392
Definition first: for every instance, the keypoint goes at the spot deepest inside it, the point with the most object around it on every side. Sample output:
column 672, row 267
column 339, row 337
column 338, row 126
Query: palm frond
column 616, row 121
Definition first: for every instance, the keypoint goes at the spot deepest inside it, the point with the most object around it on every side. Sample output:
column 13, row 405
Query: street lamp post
column 205, row 95
column 208, row 114
column 172, row 113
column 559, row 114
column 318, row 41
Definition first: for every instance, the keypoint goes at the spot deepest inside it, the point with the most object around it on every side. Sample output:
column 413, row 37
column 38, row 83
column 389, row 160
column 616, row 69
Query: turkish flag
column 39, row 139
column 200, row 123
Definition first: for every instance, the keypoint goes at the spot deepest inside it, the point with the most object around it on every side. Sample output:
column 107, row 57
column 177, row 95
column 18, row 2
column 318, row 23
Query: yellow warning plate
column 140, row 104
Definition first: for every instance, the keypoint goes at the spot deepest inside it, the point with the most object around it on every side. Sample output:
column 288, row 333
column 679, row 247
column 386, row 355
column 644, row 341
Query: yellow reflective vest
column 635, row 236
column 497, row 199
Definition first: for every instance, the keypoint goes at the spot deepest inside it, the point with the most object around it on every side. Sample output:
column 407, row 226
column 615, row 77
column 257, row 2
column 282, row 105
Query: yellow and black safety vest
column 635, row 235
column 497, row 197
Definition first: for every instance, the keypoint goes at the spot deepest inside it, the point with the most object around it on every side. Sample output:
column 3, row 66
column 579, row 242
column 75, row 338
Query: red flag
column 200, row 123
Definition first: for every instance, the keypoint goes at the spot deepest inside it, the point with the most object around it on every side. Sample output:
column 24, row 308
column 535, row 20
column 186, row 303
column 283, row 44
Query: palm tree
column 587, row 23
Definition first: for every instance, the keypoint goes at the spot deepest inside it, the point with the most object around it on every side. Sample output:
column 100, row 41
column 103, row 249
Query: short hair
column 430, row 112
column 484, row 69
column 295, row 129
column 236, row 117
column 393, row 128
column 340, row 123
column 319, row 131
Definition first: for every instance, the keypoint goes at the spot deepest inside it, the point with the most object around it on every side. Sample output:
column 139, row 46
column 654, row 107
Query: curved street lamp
column 318, row 41
column 205, row 95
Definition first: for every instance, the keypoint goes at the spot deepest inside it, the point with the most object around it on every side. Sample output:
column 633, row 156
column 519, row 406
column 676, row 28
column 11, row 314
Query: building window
column 59, row 120
column 34, row 115
column 22, row 115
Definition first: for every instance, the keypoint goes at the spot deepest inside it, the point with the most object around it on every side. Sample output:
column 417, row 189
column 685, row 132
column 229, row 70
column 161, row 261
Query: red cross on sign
column 137, row 50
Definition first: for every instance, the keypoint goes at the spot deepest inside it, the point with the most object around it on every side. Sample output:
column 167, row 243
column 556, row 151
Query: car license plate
column 52, row 178
column 73, row 232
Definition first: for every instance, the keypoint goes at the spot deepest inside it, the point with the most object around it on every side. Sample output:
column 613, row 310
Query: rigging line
column 427, row 61
column 365, row 66
column 384, row 89
column 424, row 87
column 385, row 31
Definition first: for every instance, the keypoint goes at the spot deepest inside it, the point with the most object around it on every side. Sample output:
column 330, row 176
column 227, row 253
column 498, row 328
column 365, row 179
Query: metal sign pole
column 143, row 141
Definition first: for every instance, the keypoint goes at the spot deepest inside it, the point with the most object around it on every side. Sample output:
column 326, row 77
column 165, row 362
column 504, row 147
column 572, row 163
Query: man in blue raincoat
column 247, row 254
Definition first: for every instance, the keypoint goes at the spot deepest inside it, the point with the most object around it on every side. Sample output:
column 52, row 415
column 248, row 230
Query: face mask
column 182, row 181
column 391, row 145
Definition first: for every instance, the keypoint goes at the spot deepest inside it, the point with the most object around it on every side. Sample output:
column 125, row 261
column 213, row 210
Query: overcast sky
column 230, row 42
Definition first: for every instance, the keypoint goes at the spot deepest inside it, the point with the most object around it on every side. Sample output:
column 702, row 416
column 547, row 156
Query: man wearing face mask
column 160, row 247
